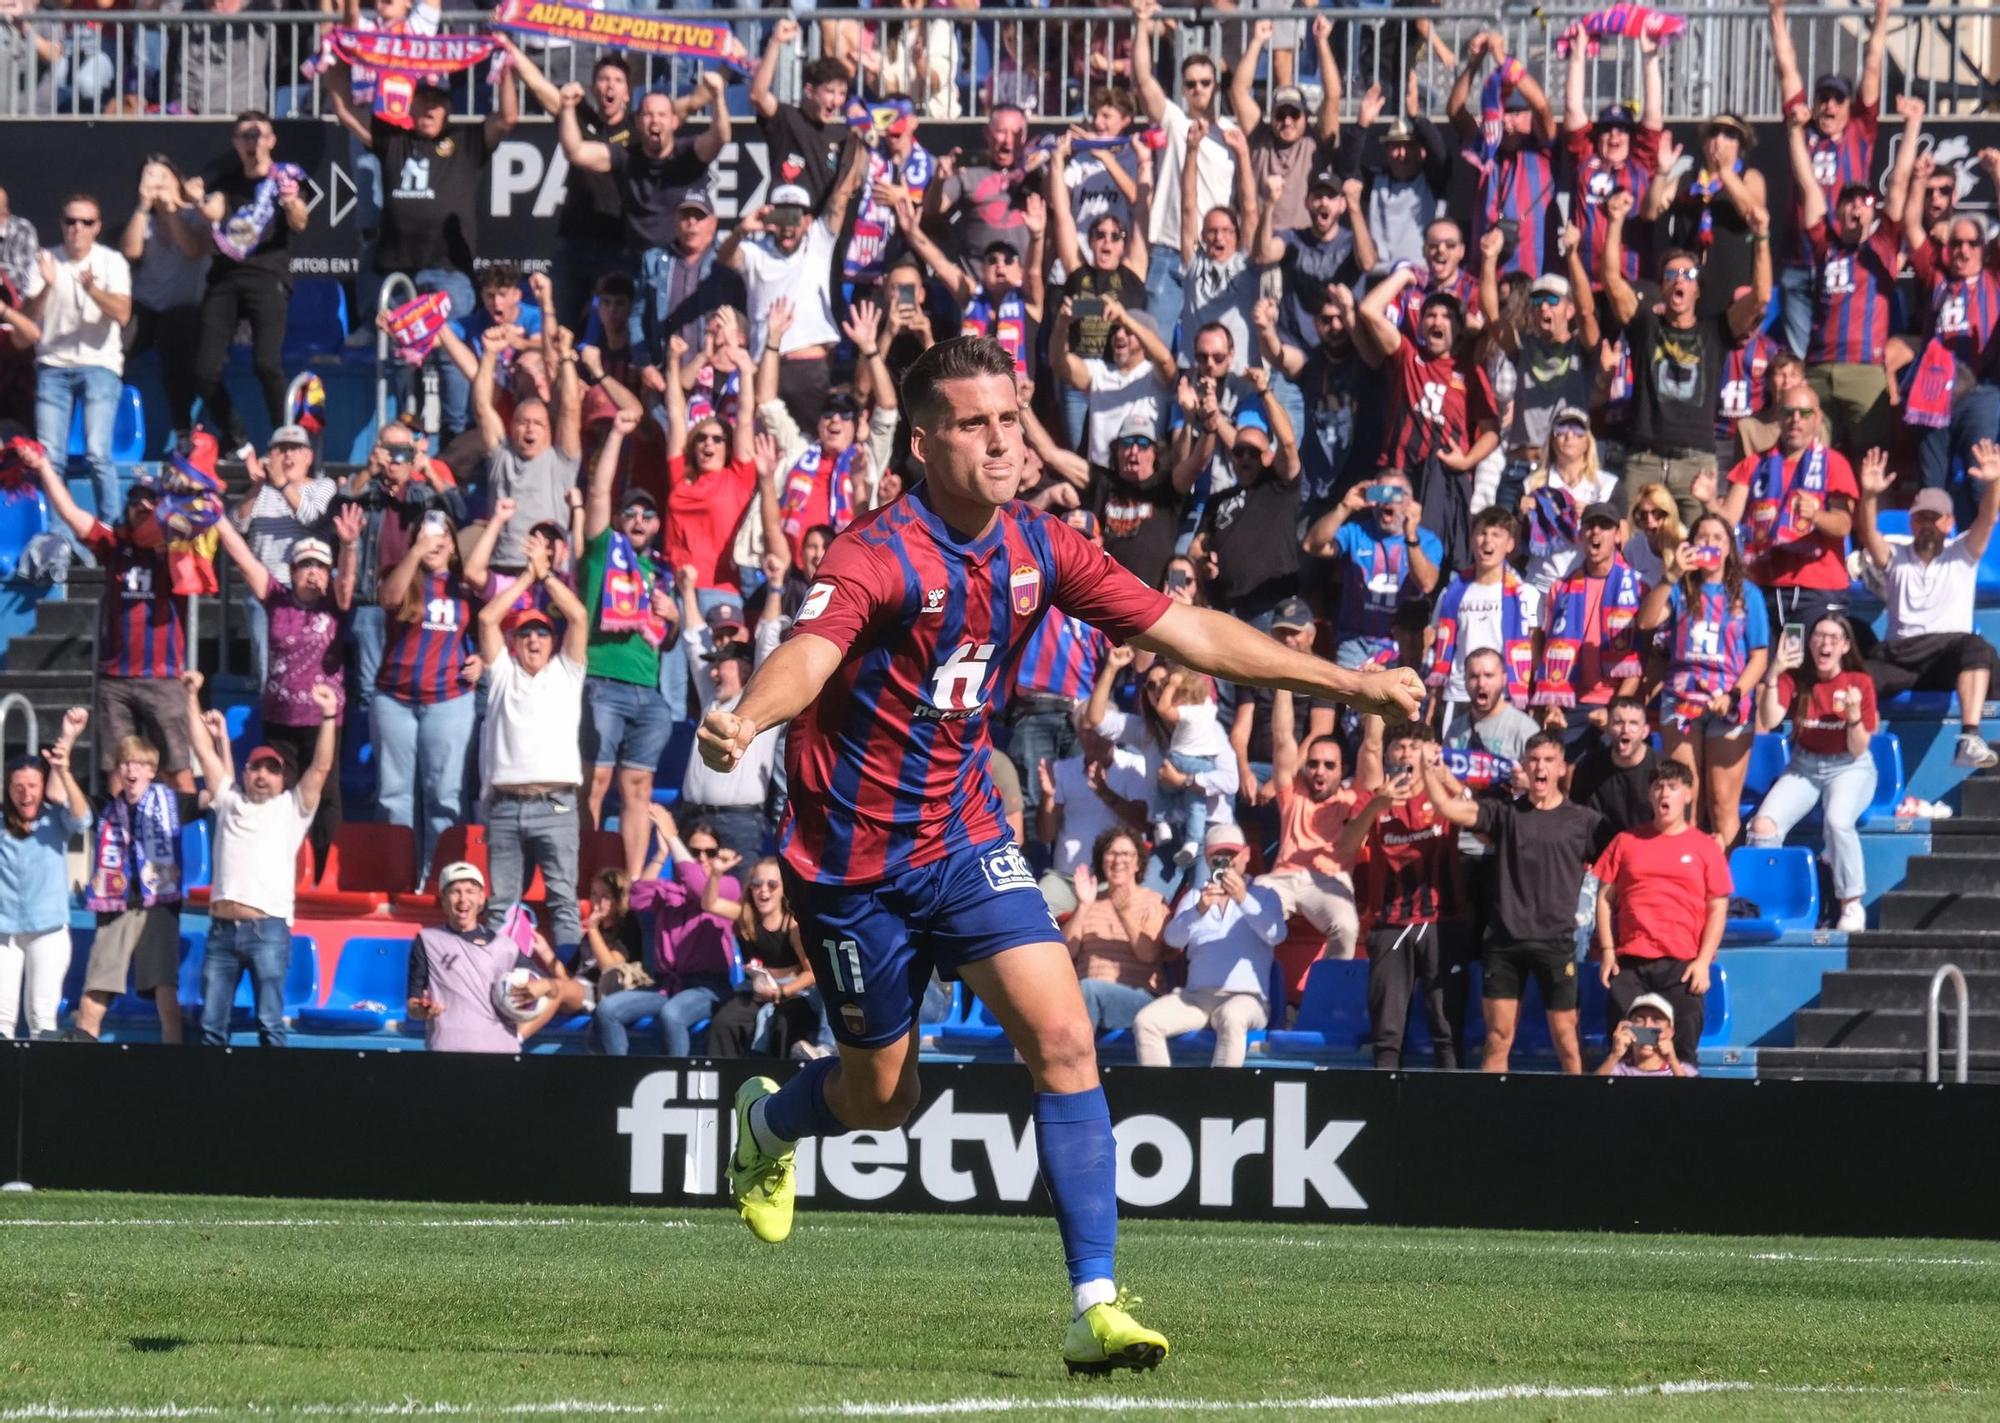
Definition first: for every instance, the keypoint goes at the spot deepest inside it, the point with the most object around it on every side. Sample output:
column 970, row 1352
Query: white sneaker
column 1853, row 918
column 1185, row 852
column 1974, row 752
column 1163, row 833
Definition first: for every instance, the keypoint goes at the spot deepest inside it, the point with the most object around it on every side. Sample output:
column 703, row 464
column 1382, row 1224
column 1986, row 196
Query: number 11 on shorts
column 844, row 957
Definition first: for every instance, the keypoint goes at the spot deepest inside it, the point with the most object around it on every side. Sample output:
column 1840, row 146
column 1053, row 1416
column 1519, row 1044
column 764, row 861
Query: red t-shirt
column 1663, row 885
column 1433, row 404
column 702, row 517
column 1817, row 560
column 1820, row 727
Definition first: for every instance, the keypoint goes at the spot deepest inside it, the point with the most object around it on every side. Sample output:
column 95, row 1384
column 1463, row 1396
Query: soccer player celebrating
column 896, row 858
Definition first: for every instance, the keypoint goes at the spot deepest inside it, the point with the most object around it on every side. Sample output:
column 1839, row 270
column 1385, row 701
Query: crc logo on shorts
column 1025, row 588
column 1007, row 868
column 817, row 597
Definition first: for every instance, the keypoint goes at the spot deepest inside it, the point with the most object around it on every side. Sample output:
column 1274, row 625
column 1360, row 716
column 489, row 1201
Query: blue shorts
column 624, row 724
column 873, row 946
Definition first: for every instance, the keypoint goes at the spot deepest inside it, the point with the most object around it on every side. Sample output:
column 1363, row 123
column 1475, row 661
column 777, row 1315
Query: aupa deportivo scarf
column 1570, row 629
column 238, row 234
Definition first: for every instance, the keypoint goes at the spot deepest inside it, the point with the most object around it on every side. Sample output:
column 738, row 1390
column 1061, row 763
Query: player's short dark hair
column 1492, row 652
column 960, row 358
column 498, row 277
column 254, row 116
column 825, row 531
column 1673, row 772
column 1419, row 731
column 826, row 71
column 1494, row 517
column 611, row 61
column 1551, row 739
column 1623, row 703
column 616, row 284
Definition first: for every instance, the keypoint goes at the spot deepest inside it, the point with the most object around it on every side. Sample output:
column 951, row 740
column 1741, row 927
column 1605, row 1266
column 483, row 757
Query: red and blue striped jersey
column 1597, row 180
column 423, row 659
column 1836, row 163
column 1963, row 313
column 1518, row 187
column 1853, row 288
column 1742, row 391
column 888, row 767
column 1410, row 305
column 141, row 625
column 1061, row 659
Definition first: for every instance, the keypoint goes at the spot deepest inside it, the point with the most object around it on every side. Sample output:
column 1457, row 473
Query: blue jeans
column 1186, row 809
column 1795, row 309
column 526, row 832
column 1846, row 784
column 1037, row 737
column 1946, row 452
column 422, row 747
column 1076, row 416
column 368, row 634
column 1112, row 1005
column 1166, row 291
column 454, row 390
column 264, row 947
column 57, row 390
column 675, row 1015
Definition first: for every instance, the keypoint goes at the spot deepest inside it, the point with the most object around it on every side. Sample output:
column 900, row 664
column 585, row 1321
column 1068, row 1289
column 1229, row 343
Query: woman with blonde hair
column 1569, row 482
column 1656, row 530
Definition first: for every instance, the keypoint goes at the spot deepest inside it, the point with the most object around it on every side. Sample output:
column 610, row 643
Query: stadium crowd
column 1603, row 452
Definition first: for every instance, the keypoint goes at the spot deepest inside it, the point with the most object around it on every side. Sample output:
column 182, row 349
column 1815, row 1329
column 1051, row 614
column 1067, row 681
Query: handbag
column 622, row 978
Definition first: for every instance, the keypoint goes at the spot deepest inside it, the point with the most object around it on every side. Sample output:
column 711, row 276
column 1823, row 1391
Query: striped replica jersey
column 1597, row 180
column 888, row 767
column 141, row 624
column 1061, row 659
column 1410, row 305
column 1742, row 383
column 1853, row 288
column 1518, row 188
column 423, row 659
column 1962, row 313
column 1836, row 163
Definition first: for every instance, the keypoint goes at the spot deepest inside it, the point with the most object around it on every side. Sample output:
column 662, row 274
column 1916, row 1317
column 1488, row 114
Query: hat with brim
column 1931, row 501
column 311, row 551
column 1653, row 1001
column 459, row 870
column 1735, row 126
column 521, row 619
column 1599, row 513
column 1223, row 837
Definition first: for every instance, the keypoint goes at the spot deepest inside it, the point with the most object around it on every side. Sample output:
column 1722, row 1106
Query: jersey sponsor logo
column 933, row 600
column 958, row 684
column 817, row 597
column 1025, row 585
column 1007, row 868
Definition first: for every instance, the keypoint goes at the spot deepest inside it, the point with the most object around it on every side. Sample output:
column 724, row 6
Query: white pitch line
column 1333, row 1403
column 1526, row 1247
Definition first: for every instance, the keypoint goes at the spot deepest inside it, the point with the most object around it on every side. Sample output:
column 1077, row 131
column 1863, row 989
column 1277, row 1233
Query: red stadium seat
column 365, row 865
column 460, row 842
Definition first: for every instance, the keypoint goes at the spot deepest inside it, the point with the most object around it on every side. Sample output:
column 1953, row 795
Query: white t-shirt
column 1085, row 817
column 75, row 330
column 256, row 849
column 1113, row 395
column 1479, row 625
column 1198, row 731
column 805, row 279
column 1216, row 170
column 1931, row 597
column 527, row 718
column 1219, row 786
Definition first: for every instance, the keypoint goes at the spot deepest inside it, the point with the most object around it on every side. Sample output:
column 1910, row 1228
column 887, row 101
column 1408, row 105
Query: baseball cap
column 1600, row 513
column 1139, row 426
column 458, row 870
column 1325, row 179
column 843, row 404
column 1289, row 97
column 1223, row 837
column 638, row 496
column 789, row 195
column 1836, row 84
column 1570, row 415
column 526, row 618
column 1142, row 318
column 1655, row 1002
column 266, row 753
column 1932, row 501
column 311, row 551
column 1551, row 282
column 1082, row 520
column 725, row 617
column 290, row 435
column 1616, row 116
column 697, row 198
column 735, row 650
column 1293, row 614
column 1854, row 190
column 1399, row 131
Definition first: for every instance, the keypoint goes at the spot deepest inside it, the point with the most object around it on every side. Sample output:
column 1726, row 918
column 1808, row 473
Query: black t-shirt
column 1676, row 380
column 1140, row 521
column 805, row 152
column 1254, row 535
column 1621, row 794
column 592, row 210
column 651, row 190
column 239, row 191
column 1089, row 335
column 1540, row 857
column 430, row 197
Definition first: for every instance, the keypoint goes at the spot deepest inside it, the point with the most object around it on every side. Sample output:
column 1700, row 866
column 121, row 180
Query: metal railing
column 1962, row 1050
column 8, row 705
column 1048, row 61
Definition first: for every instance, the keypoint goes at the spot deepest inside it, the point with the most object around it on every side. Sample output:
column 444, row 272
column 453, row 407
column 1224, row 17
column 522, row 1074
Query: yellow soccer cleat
column 762, row 1182
column 1104, row 1337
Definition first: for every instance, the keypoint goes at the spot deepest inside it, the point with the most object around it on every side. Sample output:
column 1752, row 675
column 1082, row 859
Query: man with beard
column 1216, row 166
column 1405, row 195
column 1309, row 878
column 1386, row 559
column 1616, row 154
column 1930, row 585
column 1332, row 248
column 1282, row 146
column 810, row 142
column 1132, row 376
column 1249, row 534
column 1958, row 276
column 1138, row 504
column 1341, row 393
column 1614, row 778
column 1517, row 178
column 1555, row 359
column 1443, row 273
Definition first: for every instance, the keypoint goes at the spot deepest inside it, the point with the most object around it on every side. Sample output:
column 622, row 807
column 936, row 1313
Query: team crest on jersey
column 1008, row 868
column 817, row 597
column 1026, row 587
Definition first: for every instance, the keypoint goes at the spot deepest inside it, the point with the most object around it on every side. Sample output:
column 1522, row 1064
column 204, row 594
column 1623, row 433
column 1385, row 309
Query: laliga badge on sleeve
column 817, row 597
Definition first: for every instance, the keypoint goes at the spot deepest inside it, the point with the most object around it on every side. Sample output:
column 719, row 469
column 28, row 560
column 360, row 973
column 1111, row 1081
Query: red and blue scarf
column 1782, row 506
column 1493, row 109
column 137, row 843
column 1517, row 647
column 1704, row 187
column 625, row 592
column 1929, row 401
column 1554, row 521
column 1570, row 630
column 414, row 326
column 805, row 475
column 1623, row 22
column 1007, row 324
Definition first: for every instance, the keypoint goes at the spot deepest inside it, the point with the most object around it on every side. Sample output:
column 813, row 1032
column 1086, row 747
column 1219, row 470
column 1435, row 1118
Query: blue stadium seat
column 1202, row 1040
column 1769, row 755
column 977, row 1031
column 1784, row 886
column 1716, row 1018
column 128, row 434
column 1715, row 1015
column 1893, row 524
column 673, row 764
column 197, row 868
column 1333, row 1013
column 368, row 971
column 316, row 320
column 1887, row 749
column 22, row 516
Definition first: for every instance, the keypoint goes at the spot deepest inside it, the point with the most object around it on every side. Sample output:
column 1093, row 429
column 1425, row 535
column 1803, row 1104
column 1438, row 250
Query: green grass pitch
column 126, row 1307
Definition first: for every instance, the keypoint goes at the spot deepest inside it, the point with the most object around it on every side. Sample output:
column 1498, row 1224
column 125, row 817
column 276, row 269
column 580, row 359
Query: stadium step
column 1951, row 869
column 49, row 652
column 1979, row 796
column 1888, row 1027
column 1868, row 1064
column 1906, row 989
column 1973, row 956
column 1931, row 909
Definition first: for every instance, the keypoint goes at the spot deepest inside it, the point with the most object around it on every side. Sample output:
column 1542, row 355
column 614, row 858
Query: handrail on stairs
column 1962, row 1053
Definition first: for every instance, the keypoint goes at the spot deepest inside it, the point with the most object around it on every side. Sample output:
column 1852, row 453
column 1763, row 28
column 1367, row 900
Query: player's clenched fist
column 1394, row 694
column 723, row 739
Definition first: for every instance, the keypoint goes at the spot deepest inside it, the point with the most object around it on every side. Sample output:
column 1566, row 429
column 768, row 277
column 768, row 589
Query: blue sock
column 799, row 1109
column 1080, row 1168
